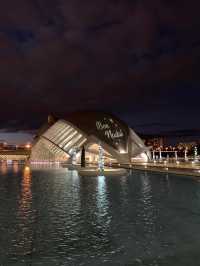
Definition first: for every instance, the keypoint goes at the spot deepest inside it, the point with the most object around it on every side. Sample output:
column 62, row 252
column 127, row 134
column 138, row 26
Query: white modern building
column 62, row 140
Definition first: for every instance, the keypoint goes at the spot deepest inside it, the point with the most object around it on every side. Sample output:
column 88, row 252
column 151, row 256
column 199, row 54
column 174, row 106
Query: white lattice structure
column 57, row 143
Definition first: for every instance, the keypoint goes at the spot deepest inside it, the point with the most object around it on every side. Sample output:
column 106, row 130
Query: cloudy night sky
column 138, row 59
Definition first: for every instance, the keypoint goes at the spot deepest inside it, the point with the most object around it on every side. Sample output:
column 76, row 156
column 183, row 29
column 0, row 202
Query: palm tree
column 83, row 157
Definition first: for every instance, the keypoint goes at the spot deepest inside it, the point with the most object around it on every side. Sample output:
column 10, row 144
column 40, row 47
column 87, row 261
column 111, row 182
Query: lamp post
column 160, row 154
column 186, row 158
column 195, row 153
column 176, row 155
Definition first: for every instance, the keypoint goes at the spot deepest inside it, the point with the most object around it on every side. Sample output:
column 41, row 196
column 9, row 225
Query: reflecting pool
column 54, row 217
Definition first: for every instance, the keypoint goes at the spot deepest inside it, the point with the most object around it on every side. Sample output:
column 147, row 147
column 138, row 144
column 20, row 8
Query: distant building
column 6, row 146
column 186, row 145
column 154, row 142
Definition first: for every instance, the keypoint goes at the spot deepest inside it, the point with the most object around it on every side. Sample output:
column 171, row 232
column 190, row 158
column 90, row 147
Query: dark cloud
column 120, row 56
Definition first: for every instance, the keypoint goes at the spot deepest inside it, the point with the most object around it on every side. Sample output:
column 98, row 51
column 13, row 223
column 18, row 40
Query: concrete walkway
column 188, row 169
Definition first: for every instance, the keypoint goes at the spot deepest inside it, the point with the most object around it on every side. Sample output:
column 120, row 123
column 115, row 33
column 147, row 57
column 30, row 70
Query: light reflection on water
column 54, row 217
column 15, row 167
column 23, row 242
column 3, row 168
column 26, row 194
column 103, row 218
column 147, row 213
column 101, row 196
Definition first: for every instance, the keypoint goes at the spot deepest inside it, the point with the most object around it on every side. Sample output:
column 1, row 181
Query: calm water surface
column 54, row 217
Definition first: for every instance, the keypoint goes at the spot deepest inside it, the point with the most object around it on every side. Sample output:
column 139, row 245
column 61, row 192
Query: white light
column 122, row 151
column 28, row 146
column 27, row 168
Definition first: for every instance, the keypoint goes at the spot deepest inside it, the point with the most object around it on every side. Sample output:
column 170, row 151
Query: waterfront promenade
column 187, row 169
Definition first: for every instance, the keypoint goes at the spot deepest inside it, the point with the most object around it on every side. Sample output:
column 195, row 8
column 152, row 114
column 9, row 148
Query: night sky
column 138, row 59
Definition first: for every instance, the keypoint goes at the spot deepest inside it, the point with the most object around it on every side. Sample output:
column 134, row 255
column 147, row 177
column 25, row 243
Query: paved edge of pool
column 187, row 173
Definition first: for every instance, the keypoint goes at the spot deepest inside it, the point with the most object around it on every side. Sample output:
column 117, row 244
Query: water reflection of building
column 102, row 201
column 15, row 167
column 146, row 200
column 63, row 140
column 26, row 194
column 154, row 142
column 148, row 213
column 25, row 215
column 3, row 168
